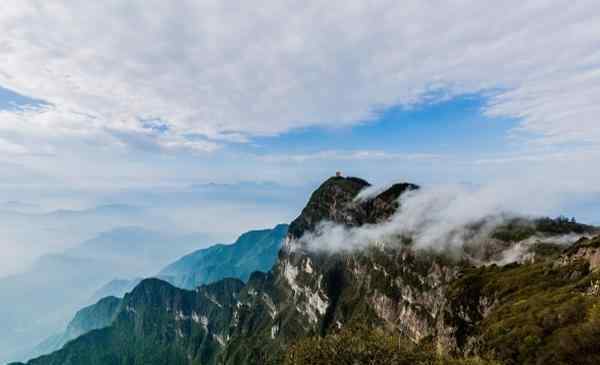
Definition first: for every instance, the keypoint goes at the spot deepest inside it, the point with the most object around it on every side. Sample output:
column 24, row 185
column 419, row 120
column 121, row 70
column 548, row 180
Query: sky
column 140, row 102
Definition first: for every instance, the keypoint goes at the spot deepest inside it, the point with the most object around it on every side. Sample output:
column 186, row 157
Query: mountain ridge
column 253, row 250
column 392, row 286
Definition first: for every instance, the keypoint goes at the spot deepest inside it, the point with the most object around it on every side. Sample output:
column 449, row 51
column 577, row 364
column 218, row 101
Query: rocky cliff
column 447, row 303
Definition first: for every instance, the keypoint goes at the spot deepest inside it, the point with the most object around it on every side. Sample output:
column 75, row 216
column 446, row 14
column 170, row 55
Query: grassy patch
column 542, row 313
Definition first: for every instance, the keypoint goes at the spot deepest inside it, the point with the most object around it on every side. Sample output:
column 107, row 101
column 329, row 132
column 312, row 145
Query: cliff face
column 305, row 293
column 585, row 249
column 314, row 293
column 429, row 297
column 159, row 324
column 335, row 201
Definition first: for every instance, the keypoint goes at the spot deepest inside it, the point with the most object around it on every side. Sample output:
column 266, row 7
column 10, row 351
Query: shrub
column 361, row 345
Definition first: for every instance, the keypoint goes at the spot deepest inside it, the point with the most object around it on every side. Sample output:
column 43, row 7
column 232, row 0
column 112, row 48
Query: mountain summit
column 322, row 307
column 335, row 201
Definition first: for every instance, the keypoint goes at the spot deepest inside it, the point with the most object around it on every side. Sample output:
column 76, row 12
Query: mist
column 54, row 258
column 520, row 251
column 443, row 216
column 62, row 220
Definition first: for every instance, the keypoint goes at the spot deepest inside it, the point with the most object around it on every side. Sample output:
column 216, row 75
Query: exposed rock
column 585, row 249
column 426, row 296
column 334, row 201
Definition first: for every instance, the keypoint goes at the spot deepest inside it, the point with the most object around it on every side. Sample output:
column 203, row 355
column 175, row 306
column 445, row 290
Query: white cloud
column 198, row 75
column 574, row 154
column 442, row 216
column 227, row 72
column 10, row 148
column 351, row 155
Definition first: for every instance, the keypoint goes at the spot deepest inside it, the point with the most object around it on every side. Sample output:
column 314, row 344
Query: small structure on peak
column 338, row 174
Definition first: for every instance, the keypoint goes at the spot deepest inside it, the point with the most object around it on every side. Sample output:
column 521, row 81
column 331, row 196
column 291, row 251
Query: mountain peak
column 336, row 201
column 327, row 203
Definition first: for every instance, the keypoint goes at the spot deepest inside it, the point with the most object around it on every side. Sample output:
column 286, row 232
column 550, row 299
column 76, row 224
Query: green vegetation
column 252, row 251
column 156, row 326
column 518, row 229
column 358, row 345
column 514, row 230
column 538, row 313
column 546, row 250
column 546, row 312
column 561, row 225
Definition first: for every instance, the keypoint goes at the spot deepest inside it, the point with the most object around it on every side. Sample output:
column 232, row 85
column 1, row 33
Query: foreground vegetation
column 363, row 345
column 542, row 313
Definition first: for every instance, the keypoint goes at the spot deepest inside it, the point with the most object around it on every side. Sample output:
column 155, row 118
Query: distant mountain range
column 25, row 231
column 252, row 251
column 96, row 316
column 115, row 288
column 63, row 283
column 387, row 302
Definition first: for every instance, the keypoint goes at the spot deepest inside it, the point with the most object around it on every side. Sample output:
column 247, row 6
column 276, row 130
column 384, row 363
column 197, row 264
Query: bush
column 543, row 313
column 360, row 345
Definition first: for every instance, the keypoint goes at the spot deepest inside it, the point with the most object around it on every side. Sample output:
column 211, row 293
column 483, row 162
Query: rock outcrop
column 428, row 297
column 586, row 249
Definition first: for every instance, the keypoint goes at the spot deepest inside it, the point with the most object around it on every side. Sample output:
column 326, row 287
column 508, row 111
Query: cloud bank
column 210, row 73
column 439, row 217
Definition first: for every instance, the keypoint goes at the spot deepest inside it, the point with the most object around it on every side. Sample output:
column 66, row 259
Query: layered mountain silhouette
column 64, row 282
column 252, row 251
column 388, row 302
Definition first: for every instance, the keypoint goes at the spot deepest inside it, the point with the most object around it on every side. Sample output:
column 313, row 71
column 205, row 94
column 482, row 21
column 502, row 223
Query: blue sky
column 219, row 117
column 238, row 95
column 440, row 141
column 454, row 126
column 10, row 100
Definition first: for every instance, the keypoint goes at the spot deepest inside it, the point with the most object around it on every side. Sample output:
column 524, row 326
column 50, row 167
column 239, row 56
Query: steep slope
column 438, row 299
column 279, row 306
column 57, row 283
column 546, row 312
column 311, row 292
column 93, row 317
column 252, row 251
column 63, row 283
column 115, row 288
column 159, row 324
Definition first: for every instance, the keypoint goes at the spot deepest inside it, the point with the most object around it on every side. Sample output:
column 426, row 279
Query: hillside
column 96, row 316
column 252, row 251
column 320, row 306
column 62, row 283
column 115, row 288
